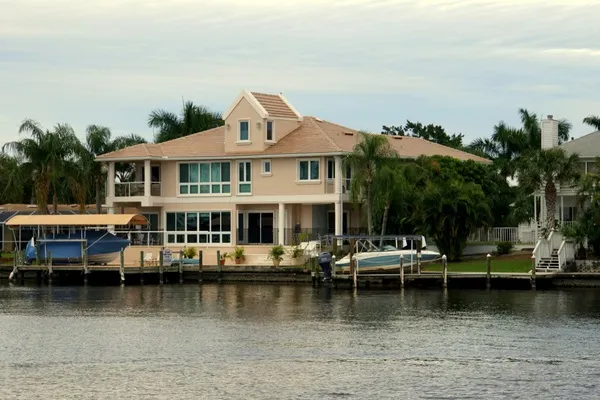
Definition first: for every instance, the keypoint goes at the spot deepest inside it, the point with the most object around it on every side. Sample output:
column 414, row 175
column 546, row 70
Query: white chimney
column 549, row 133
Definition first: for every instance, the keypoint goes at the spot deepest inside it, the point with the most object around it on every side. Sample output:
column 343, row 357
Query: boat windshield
column 387, row 247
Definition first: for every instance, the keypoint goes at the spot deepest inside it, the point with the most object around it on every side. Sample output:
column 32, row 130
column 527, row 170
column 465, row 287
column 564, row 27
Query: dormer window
column 270, row 131
column 244, row 131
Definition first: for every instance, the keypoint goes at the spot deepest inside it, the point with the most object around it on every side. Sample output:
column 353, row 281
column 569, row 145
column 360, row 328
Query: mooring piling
column 161, row 258
column 444, row 271
column 401, row 272
column 200, row 266
column 122, row 266
column 488, row 279
column 219, row 266
column 180, row 267
column 142, row 267
column 533, row 265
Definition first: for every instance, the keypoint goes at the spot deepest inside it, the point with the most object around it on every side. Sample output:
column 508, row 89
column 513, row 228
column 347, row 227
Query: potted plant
column 276, row 254
column 189, row 252
column 238, row 254
column 296, row 252
column 224, row 256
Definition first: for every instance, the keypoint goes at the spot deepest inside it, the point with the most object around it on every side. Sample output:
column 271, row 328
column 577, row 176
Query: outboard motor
column 325, row 264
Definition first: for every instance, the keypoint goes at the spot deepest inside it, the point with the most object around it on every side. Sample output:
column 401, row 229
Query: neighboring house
column 588, row 148
column 266, row 175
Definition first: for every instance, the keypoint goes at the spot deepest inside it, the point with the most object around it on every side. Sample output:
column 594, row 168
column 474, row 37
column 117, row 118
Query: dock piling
column 219, row 265
column 50, row 269
column 160, row 267
column 200, row 266
column 142, row 267
column 15, row 270
column 333, row 260
column 419, row 262
column 122, row 266
column 533, row 286
column 180, row 267
column 444, row 271
column 354, row 272
column 488, row 281
column 85, row 264
column 401, row 272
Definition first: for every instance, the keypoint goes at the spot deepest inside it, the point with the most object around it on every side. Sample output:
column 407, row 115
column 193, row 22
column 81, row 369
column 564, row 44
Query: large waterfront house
column 264, row 176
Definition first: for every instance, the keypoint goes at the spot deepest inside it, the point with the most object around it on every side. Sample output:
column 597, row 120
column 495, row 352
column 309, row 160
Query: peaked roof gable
column 266, row 105
column 587, row 146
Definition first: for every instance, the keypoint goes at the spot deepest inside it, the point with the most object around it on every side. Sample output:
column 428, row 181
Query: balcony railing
column 143, row 238
column 132, row 189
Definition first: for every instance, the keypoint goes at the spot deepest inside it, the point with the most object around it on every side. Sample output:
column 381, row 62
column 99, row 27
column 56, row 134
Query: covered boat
column 86, row 233
column 102, row 247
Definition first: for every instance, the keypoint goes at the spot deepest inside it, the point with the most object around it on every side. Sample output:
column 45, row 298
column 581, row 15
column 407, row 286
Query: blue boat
column 102, row 247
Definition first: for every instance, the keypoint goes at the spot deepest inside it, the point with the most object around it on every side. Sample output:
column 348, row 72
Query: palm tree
column 99, row 141
column 593, row 121
column 193, row 119
column 546, row 169
column 44, row 154
column 365, row 160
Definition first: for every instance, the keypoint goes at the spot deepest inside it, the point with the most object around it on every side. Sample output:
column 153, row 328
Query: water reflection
column 287, row 341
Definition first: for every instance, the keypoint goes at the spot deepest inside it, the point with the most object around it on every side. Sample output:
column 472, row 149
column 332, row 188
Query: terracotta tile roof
column 312, row 136
column 274, row 105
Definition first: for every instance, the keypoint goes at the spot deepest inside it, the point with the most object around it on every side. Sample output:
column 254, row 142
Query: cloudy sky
column 464, row 64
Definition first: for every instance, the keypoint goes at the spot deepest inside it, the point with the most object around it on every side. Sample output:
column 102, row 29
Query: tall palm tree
column 44, row 154
column 366, row 158
column 546, row 169
column 193, row 119
column 99, row 141
column 593, row 121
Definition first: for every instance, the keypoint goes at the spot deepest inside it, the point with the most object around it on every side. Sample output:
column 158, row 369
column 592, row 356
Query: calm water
column 293, row 342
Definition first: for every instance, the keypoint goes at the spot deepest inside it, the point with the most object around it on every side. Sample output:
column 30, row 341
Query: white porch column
column 281, row 224
column 338, row 218
column 110, row 189
column 147, row 178
column 338, row 174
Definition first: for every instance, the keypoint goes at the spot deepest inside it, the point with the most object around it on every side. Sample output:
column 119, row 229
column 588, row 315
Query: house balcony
column 136, row 189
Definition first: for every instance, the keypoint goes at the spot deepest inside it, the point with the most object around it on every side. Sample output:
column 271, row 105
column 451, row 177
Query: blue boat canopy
column 77, row 220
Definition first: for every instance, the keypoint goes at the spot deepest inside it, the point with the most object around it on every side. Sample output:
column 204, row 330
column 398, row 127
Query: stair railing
column 566, row 253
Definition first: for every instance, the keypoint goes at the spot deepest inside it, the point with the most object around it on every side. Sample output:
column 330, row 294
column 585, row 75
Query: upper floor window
column 308, row 170
column 244, row 131
column 330, row 169
column 205, row 178
column 266, row 167
column 348, row 179
column 245, row 177
column 270, row 131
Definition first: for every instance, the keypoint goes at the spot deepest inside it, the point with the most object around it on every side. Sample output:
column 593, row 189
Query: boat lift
column 41, row 224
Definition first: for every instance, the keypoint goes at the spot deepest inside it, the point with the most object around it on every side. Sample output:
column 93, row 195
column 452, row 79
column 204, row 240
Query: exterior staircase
column 549, row 264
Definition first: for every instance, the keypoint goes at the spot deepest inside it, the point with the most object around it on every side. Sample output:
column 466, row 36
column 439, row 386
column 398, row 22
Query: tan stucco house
column 265, row 175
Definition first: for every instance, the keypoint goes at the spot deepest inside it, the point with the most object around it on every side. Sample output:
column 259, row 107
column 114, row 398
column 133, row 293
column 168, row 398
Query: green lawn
column 499, row 264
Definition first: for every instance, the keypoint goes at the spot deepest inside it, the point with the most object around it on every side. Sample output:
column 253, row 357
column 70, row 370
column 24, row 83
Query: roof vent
column 349, row 133
column 397, row 137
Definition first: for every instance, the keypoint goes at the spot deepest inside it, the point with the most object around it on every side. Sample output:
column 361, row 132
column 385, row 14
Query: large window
column 308, row 170
column 199, row 227
column 245, row 177
column 244, row 131
column 205, row 178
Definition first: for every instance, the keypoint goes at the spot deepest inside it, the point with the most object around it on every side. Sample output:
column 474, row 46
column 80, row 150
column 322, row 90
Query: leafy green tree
column 44, row 154
column 365, row 160
column 13, row 180
column 431, row 132
column 449, row 212
column 593, row 121
column 546, row 169
column 193, row 119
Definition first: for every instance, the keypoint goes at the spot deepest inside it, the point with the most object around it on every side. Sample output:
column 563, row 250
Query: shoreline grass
column 509, row 263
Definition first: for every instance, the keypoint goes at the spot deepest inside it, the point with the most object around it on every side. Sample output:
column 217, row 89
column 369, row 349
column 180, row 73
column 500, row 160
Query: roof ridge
column 324, row 134
column 580, row 137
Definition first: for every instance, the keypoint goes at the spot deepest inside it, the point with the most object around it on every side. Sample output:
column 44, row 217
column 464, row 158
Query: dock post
column 85, row 264
column 419, row 263
column 401, row 272
column 50, row 269
column 160, row 267
column 333, row 261
column 488, row 281
column 15, row 270
column 355, row 272
column 533, row 286
column 219, row 266
column 142, row 267
column 122, row 266
column 180, row 267
column 200, row 266
column 37, row 253
column 444, row 271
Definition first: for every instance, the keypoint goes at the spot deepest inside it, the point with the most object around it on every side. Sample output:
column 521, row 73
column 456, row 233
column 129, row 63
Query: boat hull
column 385, row 263
column 102, row 248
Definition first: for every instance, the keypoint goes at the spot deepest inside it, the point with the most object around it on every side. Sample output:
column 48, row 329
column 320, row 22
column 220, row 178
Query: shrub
column 296, row 251
column 276, row 253
column 504, row 248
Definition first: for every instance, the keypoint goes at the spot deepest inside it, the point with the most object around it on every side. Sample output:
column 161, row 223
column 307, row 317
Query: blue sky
column 463, row 64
